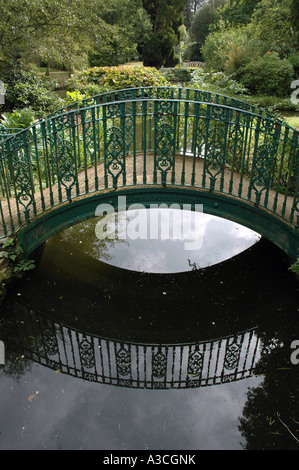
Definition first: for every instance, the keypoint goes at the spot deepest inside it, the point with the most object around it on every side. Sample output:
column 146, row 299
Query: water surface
column 108, row 347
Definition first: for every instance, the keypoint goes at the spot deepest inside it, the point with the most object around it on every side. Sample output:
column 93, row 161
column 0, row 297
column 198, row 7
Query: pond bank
column 12, row 265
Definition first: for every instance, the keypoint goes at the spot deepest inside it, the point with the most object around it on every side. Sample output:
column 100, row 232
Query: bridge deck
column 92, row 180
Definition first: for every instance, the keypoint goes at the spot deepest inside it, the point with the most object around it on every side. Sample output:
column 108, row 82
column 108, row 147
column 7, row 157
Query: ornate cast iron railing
column 131, row 364
column 150, row 137
column 174, row 93
column 6, row 132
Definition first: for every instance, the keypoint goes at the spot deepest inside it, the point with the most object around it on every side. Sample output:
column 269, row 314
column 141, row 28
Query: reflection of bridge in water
column 167, row 145
column 134, row 365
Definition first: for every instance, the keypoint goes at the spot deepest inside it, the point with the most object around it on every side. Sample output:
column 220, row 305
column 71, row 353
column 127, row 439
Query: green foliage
column 191, row 7
column 152, row 52
column 293, row 58
column 12, row 252
column 26, row 89
column 24, row 265
column 66, row 33
column 167, row 18
column 250, row 42
column 74, row 96
column 238, row 12
column 203, row 19
column 273, row 104
column 41, row 29
column 295, row 267
column 272, row 22
column 18, row 119
column 177, row 74
column 101, row 79
column 293, row 121
column 217, row 82
column 295, row 17
column 9, row 243
column 230, row 49
column 268, row 75
column 193, row 52
column 131, row 28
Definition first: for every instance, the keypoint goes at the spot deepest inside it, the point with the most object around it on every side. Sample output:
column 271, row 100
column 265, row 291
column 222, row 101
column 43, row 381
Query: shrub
column 217, row 82
column 295, row 267
column 18, row 119
column 268, row 75
column 152, row 52
column 24, row 89
column 73, row 96
column 193, row 52
column 176, row 74
column 101, row 79
column 226, row 50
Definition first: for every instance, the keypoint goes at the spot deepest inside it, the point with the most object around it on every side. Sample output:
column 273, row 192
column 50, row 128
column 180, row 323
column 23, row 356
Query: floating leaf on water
column 31, row 397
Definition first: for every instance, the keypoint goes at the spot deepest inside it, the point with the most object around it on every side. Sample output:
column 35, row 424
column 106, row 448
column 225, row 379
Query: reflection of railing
column 166, row 137
column 135, row 365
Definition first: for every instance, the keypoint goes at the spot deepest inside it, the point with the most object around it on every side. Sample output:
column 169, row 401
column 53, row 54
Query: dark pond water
column 144, row 345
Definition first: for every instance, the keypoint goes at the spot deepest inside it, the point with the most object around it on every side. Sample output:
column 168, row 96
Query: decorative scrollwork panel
column 123, row 361
column 165, row 134
column 86, row 353
column 215, row 153
column 159, row 364
column 262, row 166
column 66, row 167
column 232, row 355
column 114, row 155
column 195, row 363
column 236, row 144
column 21, row 175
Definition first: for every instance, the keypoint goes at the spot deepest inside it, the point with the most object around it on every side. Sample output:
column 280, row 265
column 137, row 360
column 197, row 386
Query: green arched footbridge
column 154, row 146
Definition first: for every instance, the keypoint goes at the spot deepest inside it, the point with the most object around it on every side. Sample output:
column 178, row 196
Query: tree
column 238, row 12
column 200, row 27
column 166, row 18
column 125, row 42
column 257, row 49
column 190, row 9
column 50, row 30
column 273, row 23
column 65, row 32
column 295, row 14
column 229, row 49
column 202, row 20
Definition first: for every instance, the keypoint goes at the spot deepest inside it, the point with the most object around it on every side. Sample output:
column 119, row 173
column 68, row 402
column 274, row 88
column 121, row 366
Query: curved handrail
column 7, row 132
column 257, row 113
column 157, row 92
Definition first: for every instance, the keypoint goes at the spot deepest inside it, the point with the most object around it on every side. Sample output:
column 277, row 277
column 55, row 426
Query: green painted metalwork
column 154, row 145
column 8, row 131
